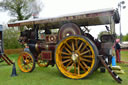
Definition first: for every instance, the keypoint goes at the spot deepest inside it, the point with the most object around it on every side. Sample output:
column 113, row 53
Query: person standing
column 26, row 49
column 117, row 50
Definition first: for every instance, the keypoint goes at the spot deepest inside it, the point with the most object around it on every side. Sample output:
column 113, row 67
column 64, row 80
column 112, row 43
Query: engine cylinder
column 41, row 46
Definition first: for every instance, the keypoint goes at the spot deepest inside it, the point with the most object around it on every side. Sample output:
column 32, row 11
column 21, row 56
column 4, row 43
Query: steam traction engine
column 61, row 41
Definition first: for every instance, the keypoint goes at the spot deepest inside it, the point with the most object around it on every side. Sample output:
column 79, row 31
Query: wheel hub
column 26, row 62
column 74, row 56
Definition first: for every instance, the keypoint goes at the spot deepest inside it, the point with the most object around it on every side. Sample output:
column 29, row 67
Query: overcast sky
column 54, row 8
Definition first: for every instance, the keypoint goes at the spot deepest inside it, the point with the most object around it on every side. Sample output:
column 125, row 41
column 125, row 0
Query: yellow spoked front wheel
column 76, row 57
column 42, row 63
column 26, row 62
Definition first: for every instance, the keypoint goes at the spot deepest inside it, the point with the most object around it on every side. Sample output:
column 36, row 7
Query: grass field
column 124, row 55
column 51, row 76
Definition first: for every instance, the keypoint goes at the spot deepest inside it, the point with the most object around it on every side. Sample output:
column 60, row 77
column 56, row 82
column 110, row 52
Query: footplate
column 113, row 74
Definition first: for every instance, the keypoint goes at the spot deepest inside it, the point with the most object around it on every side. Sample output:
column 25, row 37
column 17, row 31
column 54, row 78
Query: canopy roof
column 88, row 18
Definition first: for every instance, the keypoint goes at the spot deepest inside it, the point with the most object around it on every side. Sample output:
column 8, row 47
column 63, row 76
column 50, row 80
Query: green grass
column 51, row 76
column 124, row 56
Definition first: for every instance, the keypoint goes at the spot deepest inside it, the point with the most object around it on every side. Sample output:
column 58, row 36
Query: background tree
column 21, row 9
column 11, row 37
column 125, row 37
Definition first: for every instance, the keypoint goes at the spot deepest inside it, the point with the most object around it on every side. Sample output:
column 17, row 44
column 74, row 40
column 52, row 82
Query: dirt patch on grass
column 13, row 51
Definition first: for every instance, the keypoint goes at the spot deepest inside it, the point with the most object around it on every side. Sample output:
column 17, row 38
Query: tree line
column 11, row 37
column 124, row 37
column 18, row 10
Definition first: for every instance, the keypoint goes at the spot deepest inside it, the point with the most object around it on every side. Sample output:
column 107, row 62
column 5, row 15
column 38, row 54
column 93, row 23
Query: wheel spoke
column 31, row 63
column 24, row 58
column 76, row 43
column 90, row 56
column 83, row 48
column 65, row 57
column 66, row 61
column 28, row 67
column 80, row 46
column 70, row 67
column 23, row 66
column 84, row 52
column 73, row 46
column 82, row 59
column 85, row 65
column 65, row 53
column 82, row 66
column 68, row 46
column 69, row 63
column 68, row 50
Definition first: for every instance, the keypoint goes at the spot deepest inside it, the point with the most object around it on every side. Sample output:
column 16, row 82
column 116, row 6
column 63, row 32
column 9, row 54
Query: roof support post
column 112, row 25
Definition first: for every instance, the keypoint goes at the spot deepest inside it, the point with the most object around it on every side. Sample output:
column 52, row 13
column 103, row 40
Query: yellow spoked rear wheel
column 26, row 62
column 76, row 57
column 42, row 63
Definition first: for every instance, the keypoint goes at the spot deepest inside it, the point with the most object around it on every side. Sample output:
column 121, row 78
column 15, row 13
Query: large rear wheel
column 76, row 57
column 26, row 62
